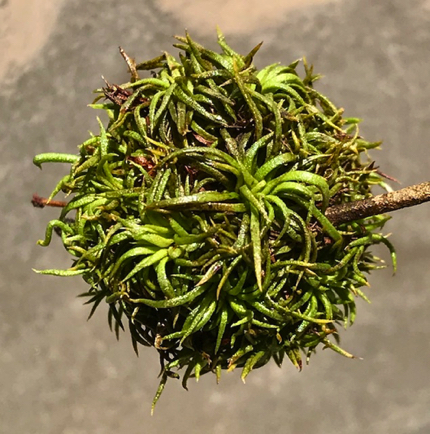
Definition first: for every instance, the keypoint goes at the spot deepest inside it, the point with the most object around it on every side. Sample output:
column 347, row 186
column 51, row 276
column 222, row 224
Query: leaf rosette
column 198, row 213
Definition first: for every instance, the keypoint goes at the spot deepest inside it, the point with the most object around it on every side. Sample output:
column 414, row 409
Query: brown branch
column 409, row 196
column 343, row 213
column 41, row 202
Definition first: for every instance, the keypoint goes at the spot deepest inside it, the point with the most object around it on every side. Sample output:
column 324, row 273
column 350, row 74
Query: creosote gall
column 198, row 213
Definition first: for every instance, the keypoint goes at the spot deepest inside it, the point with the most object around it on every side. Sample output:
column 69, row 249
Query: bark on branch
column 344, row 213
column 409, row 196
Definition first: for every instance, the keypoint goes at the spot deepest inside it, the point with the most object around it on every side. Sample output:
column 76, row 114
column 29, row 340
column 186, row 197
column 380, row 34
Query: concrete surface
column 60, row 374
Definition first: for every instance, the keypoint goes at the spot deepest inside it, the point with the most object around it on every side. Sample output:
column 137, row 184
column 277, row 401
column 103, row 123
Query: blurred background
column 60, row 374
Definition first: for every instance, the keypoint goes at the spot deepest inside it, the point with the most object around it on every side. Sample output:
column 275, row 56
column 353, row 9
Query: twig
column 338, row 214
column 406, row 197
column 41, row 202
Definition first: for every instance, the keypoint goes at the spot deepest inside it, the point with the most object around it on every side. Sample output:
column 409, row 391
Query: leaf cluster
column 198, row 213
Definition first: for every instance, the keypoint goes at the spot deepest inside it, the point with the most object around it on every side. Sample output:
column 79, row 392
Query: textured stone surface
column 59, row 374
column 25, row 28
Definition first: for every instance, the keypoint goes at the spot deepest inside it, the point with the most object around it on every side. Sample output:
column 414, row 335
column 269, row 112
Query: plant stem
column 41, row 202
column 343, row 213
column 403, row 198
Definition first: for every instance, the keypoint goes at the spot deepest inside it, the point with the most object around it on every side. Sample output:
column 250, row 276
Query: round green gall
column 198, row 213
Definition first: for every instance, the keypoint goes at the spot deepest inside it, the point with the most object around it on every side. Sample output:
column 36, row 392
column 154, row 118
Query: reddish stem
column 41, row 202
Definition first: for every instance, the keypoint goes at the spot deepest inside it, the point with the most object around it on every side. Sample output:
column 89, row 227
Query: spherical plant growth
column 198, row 213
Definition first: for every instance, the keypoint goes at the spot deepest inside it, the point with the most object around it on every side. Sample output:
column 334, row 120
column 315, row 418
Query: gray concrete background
column 60, row 374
